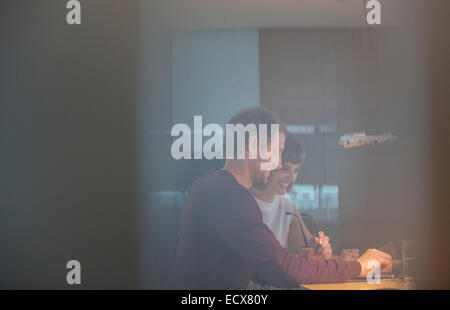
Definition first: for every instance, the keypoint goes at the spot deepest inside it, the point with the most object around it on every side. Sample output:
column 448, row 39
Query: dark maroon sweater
column 223, row 241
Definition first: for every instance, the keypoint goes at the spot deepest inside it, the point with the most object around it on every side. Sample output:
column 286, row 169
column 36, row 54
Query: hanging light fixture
column 360, row 138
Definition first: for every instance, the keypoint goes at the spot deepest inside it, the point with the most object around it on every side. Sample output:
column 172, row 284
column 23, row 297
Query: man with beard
column 224, row 241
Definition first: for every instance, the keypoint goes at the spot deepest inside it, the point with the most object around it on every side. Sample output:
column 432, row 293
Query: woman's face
column 281, row 179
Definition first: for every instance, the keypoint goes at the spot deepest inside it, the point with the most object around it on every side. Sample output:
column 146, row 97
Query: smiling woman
column 276, row 209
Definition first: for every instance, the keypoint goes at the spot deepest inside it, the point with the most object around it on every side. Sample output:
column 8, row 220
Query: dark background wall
column 68, row 161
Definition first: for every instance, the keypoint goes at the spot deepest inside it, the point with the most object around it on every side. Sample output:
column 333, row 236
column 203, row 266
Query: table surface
column 363, row 285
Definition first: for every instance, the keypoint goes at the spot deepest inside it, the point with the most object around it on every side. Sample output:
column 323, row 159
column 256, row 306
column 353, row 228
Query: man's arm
column 238, row 221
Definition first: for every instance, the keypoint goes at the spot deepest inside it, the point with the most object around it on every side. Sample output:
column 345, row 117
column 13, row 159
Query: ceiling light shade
column 360, row 138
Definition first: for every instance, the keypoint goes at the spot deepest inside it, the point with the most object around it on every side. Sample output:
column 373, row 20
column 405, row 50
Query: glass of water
column 409, row 259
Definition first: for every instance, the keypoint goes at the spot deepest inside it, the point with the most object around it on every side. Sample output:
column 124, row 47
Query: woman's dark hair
column 293, row 153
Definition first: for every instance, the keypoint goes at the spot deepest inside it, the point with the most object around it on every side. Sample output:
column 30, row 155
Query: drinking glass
column 409, row 259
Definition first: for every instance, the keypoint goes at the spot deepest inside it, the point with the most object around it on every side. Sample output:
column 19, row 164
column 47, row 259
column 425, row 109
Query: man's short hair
column 257, row 116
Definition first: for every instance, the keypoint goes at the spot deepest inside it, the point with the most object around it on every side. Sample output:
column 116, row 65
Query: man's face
column 260, row 177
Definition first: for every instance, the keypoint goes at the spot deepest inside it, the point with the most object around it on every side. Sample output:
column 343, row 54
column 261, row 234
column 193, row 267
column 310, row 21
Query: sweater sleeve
column 238, row 221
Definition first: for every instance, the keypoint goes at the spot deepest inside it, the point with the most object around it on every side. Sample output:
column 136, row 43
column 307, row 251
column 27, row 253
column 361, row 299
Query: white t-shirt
column 275, row 217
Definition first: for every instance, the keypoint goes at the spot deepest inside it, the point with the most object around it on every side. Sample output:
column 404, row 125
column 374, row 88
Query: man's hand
column 390, row 248
column 383, row 258
column 321, row 246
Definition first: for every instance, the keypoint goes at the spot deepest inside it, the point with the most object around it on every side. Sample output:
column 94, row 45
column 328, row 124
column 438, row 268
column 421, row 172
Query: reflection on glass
column 409, row 259
column 319, row 201
column 166, row 198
